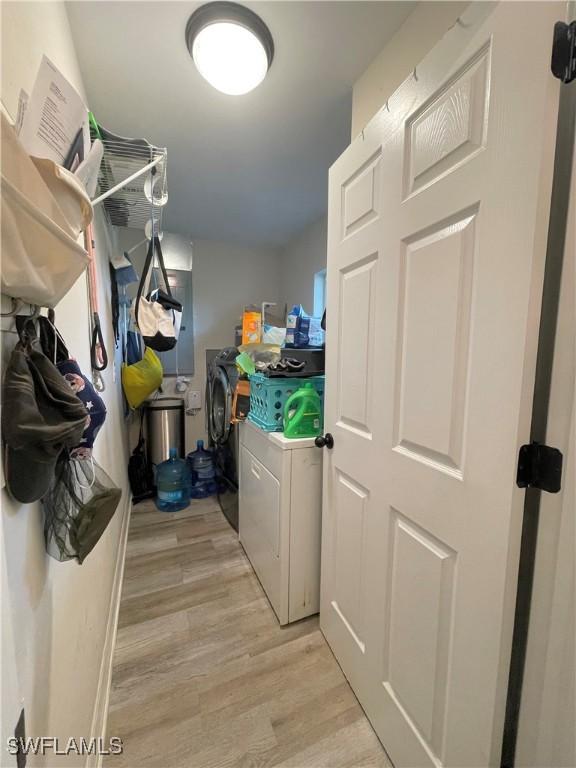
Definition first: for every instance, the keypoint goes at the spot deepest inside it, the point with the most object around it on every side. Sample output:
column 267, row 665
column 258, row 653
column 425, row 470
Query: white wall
column 305, row 254
column 60, row 613
column 225, row 277
column 423, row 28
column 301, row 258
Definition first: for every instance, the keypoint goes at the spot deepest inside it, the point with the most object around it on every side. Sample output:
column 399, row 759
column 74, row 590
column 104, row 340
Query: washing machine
column 221, row 380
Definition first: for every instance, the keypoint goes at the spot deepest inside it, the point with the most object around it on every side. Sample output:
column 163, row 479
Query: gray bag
column 79, row 504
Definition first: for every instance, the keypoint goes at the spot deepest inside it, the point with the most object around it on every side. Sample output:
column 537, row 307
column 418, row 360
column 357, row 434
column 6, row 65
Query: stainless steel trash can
column 164, row 428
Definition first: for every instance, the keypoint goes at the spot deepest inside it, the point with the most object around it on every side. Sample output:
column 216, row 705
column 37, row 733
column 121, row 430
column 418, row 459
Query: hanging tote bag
column 158, row 314
column 142, row 378
column 44, row 208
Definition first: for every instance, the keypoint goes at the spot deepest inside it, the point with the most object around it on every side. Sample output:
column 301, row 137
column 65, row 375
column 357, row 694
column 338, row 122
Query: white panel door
column 436, row 244
column 350, row 480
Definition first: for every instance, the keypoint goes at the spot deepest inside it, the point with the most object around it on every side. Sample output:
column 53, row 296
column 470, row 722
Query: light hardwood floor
column 204, row 675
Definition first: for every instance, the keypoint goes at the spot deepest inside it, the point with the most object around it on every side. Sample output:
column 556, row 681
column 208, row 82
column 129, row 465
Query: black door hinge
column 563, row 63
column 539, row 466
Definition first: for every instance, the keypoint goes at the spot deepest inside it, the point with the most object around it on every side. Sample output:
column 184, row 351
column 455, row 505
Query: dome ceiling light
column 231, row 46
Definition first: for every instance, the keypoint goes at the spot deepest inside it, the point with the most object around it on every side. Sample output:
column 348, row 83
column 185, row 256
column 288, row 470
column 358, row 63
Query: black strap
column 141, row 442
column 97, row 340
column 154, row 244
column 162, row 267
column 115, row 304
column 51, row 340
column 142, row 283
column 26, row 328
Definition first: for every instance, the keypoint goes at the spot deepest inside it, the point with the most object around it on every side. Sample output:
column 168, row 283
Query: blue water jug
column 172, row 484
column 202, row 471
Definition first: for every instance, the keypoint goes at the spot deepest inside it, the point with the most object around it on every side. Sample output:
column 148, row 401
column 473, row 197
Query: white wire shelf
column 132, row 182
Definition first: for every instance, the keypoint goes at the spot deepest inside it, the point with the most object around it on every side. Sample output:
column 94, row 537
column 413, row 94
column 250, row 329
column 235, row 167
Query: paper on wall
column 54, row 116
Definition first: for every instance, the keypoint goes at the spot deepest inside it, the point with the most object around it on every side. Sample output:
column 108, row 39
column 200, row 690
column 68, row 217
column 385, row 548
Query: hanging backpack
column 158, row 314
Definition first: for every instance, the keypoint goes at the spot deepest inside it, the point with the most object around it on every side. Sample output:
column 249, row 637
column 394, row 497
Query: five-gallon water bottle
column 172, row 484
column 203, row 473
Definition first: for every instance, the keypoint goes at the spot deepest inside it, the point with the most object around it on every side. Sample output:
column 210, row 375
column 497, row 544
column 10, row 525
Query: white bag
column 158, row 315
column 44, row 209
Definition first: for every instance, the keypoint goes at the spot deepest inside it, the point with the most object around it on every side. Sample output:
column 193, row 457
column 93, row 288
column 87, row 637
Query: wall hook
column 458, row 23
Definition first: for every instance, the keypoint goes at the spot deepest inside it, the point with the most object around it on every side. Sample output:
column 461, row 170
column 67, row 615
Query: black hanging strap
column 97, row 342
column 148, row 266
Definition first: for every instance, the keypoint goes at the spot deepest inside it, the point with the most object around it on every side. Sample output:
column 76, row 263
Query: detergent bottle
column 303, row 413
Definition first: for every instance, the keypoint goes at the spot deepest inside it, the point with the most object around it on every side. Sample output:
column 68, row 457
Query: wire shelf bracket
column 129, row 180
column 132, row 182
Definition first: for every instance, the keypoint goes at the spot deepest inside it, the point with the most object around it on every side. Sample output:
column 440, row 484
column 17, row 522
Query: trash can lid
column 164, row 403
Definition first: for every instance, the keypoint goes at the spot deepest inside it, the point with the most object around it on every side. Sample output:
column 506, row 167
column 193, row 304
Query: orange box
column 251, row 327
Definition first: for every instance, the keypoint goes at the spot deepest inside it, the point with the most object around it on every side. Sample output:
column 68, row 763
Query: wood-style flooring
column 203, row 674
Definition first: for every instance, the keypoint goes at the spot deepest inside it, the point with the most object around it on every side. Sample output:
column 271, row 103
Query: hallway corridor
column 203, row 674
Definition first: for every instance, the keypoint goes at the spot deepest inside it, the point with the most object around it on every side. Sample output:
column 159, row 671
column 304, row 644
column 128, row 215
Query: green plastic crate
column 268, row 396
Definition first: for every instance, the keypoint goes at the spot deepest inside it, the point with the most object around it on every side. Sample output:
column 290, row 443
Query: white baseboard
column 101, row 702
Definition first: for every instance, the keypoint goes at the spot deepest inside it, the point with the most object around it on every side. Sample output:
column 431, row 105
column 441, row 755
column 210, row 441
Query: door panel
column 451, row 127
column 357, row 287
column 350, row 534
column 360, row 196
column 436, row 235
column 435, row 297
column 259, row 524
column 261, row 492
column 419, row 624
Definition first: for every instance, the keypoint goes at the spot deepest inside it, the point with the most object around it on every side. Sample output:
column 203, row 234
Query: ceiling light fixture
column 230, row 45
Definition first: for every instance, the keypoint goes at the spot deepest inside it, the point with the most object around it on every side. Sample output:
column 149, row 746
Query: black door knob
column 326, row 440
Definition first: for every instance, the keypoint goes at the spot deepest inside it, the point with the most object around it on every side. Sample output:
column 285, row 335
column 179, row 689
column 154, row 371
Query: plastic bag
column 302, row 330
column 142, row 378
column 262, row 354
column 274, row 335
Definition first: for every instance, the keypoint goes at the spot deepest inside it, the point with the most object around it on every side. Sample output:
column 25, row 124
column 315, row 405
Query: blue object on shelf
column 268, row 397
column 172, row 484
column 302, row 330
column 202, row 472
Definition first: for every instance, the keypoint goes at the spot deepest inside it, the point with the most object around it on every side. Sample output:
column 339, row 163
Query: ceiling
column 249, row 169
